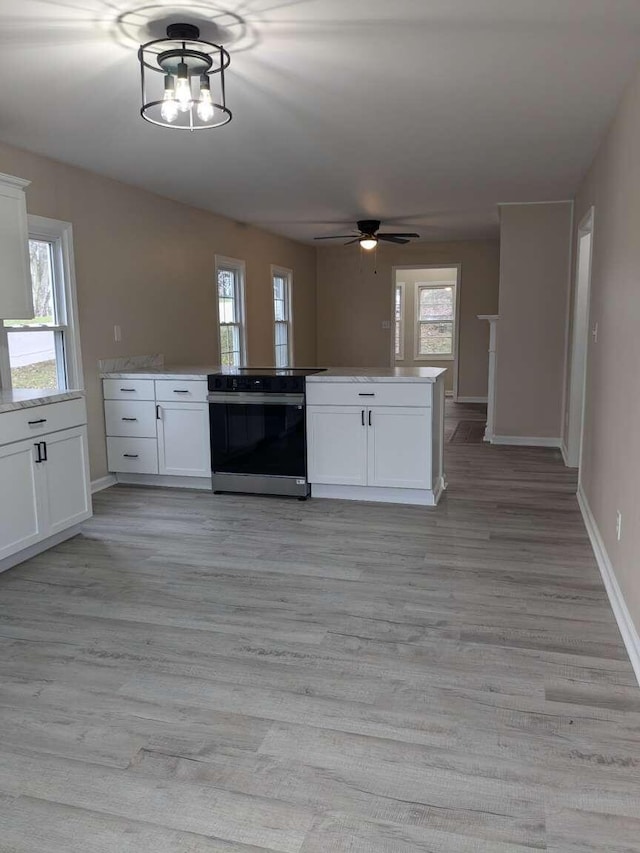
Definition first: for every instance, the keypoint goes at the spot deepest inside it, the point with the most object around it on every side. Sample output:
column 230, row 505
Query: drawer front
column 175, row 390
column 369, row 394
column 128, row 389
column 132, row 455
column 130, row 418
column 39, row 420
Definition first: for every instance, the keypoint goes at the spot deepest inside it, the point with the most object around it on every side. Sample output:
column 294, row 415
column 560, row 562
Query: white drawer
column 39, row 420
column 132, row 455
column 128, row 389
column 175, row 390
column 369, row 394
column 130, row 418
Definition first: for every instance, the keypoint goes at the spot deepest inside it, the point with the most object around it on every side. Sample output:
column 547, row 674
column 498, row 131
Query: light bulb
column 183, row 88
column 205, row 104
column 368, row 243
column 169, row 108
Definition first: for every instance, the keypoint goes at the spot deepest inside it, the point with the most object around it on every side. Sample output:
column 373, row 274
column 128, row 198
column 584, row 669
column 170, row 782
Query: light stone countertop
column 379, row 374
column 197, row 371
column 25, row 398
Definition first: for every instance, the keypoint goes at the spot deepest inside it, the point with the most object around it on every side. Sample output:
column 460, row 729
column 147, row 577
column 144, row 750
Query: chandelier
column 189, row 66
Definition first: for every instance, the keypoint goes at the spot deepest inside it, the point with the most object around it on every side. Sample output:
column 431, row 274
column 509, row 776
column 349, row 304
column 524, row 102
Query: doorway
column 426, row 312
column 579, row 343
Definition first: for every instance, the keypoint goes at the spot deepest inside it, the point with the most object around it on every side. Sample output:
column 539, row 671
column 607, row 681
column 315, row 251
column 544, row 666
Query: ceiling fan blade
column 335, row 237
column 399, row 234
column 351, row 242
column 390, row 238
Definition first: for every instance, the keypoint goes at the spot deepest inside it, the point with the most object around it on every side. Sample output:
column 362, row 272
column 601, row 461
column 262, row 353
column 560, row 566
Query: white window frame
column 68, row 352
column 424, row 285
column 239, row 268
column 287, row 275
column 399, row 286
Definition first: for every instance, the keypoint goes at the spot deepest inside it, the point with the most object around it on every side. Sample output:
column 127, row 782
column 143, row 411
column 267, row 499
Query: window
column 435, row 320
column 44, row 352
column 282, row 279
column 399, row 321
column 230, row 282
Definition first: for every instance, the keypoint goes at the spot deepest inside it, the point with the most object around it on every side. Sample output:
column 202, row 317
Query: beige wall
column 147, row 264
column 354, row 301
column 611, row 451
column 411, row 278
column 534, row 283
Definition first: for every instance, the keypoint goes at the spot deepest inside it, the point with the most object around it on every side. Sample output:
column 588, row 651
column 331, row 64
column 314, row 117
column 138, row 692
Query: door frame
column 456, row 342
column 579, row 345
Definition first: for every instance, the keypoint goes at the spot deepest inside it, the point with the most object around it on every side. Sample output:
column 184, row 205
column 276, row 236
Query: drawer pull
column 39, row 421
column 367, row 394
column 130, row 455
column 128, row 389
column 129, row 419
column 180, row 391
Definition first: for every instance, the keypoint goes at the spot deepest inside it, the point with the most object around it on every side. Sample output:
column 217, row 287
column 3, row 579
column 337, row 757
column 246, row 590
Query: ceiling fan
column 370, row 235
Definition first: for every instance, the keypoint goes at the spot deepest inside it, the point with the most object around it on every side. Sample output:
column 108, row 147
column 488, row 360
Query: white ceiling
column 418, row 112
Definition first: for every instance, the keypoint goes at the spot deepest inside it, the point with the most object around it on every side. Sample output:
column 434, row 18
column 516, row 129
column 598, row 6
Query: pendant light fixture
column 188, row 66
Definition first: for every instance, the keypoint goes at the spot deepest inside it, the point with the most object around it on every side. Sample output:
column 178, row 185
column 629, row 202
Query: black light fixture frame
column 203, row 58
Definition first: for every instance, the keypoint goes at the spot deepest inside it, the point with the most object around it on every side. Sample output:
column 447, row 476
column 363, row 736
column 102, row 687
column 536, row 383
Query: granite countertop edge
column 13, row 401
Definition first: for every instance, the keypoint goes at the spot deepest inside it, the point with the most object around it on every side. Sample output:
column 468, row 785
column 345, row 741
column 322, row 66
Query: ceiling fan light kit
column 178, row 94
column 370, row 235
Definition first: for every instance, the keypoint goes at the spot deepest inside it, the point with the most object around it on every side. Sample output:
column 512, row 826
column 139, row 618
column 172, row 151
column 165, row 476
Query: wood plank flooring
column 200, row 674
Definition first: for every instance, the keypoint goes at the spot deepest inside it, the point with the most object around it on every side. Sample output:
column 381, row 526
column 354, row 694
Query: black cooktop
column 268, row 371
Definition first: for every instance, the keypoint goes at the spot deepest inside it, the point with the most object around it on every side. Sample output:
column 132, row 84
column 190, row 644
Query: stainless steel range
column 258, row 431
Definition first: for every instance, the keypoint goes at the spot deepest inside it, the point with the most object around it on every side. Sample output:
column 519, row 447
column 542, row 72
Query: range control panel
column 262, row 384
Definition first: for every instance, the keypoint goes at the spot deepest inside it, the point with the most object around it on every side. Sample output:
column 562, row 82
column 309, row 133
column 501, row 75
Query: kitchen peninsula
column 376, row 434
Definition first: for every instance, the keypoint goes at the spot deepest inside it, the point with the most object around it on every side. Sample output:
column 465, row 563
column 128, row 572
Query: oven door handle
column 255, row 399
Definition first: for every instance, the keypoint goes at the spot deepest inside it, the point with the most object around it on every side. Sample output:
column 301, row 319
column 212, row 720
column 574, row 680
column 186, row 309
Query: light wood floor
column 245, row 674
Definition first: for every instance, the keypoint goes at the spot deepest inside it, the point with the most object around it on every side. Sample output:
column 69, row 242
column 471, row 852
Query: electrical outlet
column 594, row 333
column 386, row 324
column 117, row 334
column 619, row 525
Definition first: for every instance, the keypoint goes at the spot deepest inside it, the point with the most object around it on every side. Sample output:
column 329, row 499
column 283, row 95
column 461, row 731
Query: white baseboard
column 471, row 400
column 170, row 481
column 526, row 441
column 39, row 547
column 626, row 625
column 379, row 494
column 565, row 454
column 103, row 483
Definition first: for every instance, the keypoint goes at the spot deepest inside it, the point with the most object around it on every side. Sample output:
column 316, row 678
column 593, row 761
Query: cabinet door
column 67, row 490
column 21, row 512
column 399, row 447
column 337, row 445
column 183, row 439
column 16, row 299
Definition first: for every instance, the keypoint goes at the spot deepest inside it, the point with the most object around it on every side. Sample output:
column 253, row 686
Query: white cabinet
column 399, row 447
column 337, row 445
column 16, row 299
column 44, row 482
column 21, row 522
column 65, row 469
column 183, row 439
column 388, row 448
column 156, row 428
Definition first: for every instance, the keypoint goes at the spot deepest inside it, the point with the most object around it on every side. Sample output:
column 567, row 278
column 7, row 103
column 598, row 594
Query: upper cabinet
column 16, row 300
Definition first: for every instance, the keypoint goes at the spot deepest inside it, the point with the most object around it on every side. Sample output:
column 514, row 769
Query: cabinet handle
column 129, row 419
column 128, row 389
column 157, row 412
column 130, row 455
column 39, row 421
column 180, row 391
column 366, row 394
column 37, row 446
column 369, row 417
column 362, row 414
column 44, row 451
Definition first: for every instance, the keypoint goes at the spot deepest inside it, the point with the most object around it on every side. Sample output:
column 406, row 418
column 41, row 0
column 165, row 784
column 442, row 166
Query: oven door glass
column 267, row 439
